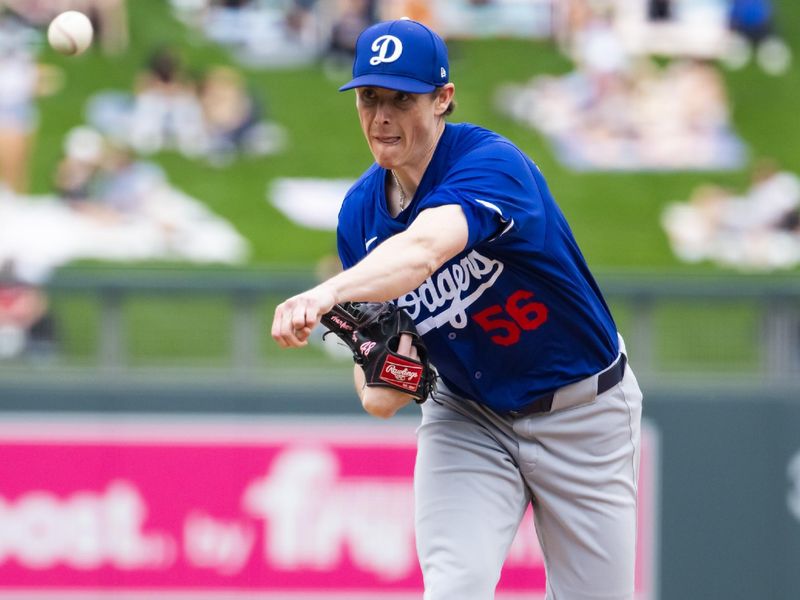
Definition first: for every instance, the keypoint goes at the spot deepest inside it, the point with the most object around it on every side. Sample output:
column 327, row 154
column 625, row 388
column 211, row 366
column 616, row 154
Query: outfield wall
column 208, row 491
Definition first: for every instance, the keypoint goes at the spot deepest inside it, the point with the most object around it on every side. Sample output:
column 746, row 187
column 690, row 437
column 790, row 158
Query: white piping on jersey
column 496, row 208
column 369, row 242
column 487, row 204
column 509, row 226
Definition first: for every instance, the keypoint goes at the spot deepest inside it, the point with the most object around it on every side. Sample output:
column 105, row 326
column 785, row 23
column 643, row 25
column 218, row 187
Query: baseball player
column 534, row 403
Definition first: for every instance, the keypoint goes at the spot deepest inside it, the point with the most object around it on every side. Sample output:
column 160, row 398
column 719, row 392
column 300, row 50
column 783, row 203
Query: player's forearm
column 379, row 402
column 359, row 380
column 400, row 264
column 397, row 266
column 404, row 261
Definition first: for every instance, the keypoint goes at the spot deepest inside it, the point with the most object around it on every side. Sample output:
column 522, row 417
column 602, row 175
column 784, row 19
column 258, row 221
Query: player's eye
column 367, row 95
column 402, row 97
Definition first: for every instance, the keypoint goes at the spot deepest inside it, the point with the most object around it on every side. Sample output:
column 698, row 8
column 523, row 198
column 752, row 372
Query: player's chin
column 386, row 157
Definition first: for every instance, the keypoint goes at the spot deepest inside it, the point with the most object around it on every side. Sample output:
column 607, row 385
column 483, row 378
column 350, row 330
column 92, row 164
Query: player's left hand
column 295, row 318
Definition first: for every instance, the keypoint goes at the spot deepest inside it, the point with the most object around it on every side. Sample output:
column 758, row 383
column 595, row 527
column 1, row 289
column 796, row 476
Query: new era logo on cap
column 402, row 55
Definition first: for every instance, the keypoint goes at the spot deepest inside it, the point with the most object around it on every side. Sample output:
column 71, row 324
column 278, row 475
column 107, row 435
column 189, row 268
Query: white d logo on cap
column 381, row 46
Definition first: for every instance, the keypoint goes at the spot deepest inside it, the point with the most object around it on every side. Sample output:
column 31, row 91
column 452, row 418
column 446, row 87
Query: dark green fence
column 677, row 328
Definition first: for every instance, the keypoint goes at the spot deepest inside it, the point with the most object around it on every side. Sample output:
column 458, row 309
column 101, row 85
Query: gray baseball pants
column 477, row 471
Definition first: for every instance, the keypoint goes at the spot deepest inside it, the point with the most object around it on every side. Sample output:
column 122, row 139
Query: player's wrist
column 327, row 296
column 383, row 402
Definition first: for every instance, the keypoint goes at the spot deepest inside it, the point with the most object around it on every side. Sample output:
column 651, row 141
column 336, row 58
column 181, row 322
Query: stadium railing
column 676, row 327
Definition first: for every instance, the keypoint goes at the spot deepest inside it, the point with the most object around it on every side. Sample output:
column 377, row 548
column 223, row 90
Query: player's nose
column 383, row 113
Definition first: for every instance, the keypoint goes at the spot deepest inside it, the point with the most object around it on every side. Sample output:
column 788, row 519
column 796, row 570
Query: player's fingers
column 312, row 316
column 299, row 316
column 295, row 332
column 283, row 331
column 302, row 335
column 404, row 346
column 277, row 326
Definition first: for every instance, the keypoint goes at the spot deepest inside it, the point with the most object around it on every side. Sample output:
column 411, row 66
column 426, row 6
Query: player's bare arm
column 383, row 402
column 398, row 265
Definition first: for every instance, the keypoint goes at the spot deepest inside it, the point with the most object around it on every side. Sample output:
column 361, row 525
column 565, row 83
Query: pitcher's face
column 401, row 128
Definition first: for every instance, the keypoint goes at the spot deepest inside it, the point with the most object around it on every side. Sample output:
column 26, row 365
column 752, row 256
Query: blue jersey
column 517, row 313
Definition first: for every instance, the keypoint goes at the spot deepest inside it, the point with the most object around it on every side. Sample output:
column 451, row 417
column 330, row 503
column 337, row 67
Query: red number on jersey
column 489, row 320
column 525, row 315
column 529, row 315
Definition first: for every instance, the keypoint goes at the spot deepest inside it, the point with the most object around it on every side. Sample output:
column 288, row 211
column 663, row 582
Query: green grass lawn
column 615, row 215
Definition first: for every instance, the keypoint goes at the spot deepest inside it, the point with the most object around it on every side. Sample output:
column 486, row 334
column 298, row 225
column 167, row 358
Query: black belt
column 605, row 381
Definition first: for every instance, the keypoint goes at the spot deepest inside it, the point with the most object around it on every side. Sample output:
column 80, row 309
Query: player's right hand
column 296, row 317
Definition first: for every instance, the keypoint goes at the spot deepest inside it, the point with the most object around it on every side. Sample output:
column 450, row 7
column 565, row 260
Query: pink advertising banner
column 201, row 508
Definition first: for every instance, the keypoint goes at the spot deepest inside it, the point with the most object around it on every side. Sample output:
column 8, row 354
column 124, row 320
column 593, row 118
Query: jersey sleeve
column 347, row 235
column 346, row 253
column 495, row 186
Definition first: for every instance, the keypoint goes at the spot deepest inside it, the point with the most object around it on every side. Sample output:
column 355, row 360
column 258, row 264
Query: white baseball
column 70, row 33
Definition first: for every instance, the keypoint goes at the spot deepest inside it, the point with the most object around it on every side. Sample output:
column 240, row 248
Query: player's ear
column 444, row 97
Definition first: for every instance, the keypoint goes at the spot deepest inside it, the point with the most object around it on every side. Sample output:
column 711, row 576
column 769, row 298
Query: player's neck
column 404, row 181
column 397, row 197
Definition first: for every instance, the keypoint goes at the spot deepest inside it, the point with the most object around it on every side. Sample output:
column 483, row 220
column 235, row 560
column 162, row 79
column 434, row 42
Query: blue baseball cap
column 401, row 55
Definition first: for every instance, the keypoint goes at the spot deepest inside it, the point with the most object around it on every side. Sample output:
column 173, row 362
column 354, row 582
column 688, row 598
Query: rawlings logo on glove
column 405, row 374
column 372, row 331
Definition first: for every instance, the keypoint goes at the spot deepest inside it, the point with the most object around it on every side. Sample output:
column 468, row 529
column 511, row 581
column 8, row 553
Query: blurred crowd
column 259, row 33
column 646, row 92
column 643, row 117
column 285, row 33
column 107, row 202
column 214, row 116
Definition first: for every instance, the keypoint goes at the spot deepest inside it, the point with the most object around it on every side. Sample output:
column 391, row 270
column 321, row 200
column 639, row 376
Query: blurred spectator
column 77, row 172
column 418, row 10
column 575, row 18
column 774, row 196
column 21, row 81
column 26, row 325
column 752, row 18
column 300, row 16
column 757, row 230
column 753, row 21
column 350, row 19
column 598, row 49
column 167, row 111
column 659, row 10
column 129, row 187
column 104, row 181
column 233, row 118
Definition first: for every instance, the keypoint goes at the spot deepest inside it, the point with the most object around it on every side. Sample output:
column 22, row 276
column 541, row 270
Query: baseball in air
column 70, row 33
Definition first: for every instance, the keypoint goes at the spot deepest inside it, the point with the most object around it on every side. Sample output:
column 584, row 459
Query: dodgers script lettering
column 454, row 289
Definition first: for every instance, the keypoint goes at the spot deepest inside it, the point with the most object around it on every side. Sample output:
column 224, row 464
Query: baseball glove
column 372, row 332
